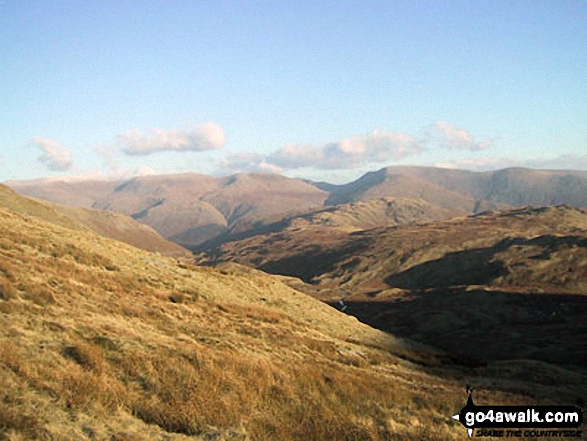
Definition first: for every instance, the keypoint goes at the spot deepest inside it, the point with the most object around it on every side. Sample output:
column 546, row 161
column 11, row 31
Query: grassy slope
column 100, row 340
column 113, row 225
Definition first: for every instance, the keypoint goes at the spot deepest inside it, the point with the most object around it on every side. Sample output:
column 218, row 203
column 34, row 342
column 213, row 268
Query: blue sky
column 317, row 89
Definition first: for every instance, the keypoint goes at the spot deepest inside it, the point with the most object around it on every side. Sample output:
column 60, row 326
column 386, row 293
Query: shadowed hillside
column 513, row 284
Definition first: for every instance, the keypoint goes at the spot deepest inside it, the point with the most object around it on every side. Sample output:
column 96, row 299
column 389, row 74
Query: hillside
column 109, row 224
column 298, row 235
column 542, row 248
column 386, row 183
column 467, row 190
column 188, row 208
column 493, row 286
column 100, row 340
column 362, row 215
column 77, row 193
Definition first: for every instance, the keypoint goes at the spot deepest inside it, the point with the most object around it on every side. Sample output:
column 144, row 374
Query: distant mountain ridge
column 192, row 209
column 510, row 186
column 187, row 208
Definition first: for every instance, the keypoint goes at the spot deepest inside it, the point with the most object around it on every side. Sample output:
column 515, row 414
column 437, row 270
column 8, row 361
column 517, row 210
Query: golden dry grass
column 100, row 340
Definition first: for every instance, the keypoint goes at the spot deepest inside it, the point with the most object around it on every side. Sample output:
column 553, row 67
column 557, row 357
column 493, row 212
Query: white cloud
column 377, row 146
column 126, row 173
column 479, row 164
column 570, row 162
column 450, row 137
column 97, row 175
column 246, row 162
column 54, row 155
column 200, row 137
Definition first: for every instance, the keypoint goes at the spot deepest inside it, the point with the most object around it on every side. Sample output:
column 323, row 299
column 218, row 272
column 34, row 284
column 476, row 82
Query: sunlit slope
column 99, row 339
column 362, row 215
column 113, row 225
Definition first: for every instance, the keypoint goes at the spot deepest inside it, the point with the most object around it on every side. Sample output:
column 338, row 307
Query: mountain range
column 191, row 209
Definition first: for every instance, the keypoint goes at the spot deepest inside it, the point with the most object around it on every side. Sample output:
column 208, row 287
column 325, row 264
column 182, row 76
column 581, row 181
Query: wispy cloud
column 377, row 146
column 563, row 162
column 54, row 155
column 448, row 136
column 479, row 164
column 199, row 137
column 246, row 162
column 97, row 175
column 126, row 173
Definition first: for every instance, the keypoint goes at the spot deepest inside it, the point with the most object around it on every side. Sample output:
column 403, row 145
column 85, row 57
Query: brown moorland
column 101, row 340
column 502, row 287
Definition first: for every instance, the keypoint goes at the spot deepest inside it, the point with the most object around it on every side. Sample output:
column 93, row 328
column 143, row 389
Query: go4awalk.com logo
column 520, row 421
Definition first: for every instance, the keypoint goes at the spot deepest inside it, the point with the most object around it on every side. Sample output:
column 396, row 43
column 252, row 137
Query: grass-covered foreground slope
column 101, row 340
column 109, row 224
